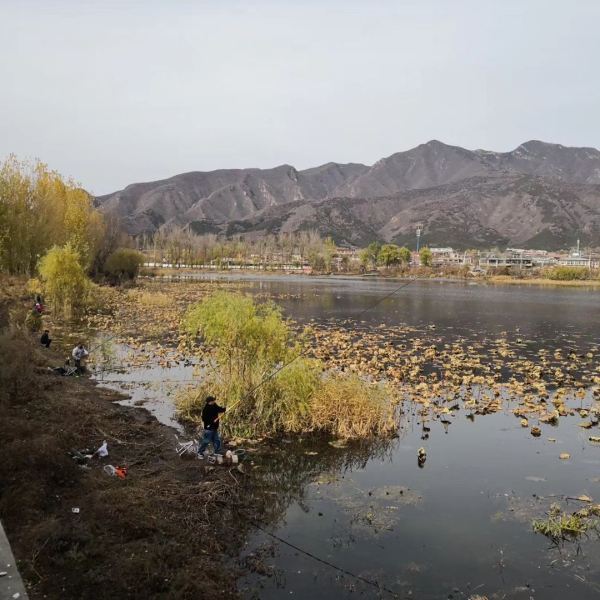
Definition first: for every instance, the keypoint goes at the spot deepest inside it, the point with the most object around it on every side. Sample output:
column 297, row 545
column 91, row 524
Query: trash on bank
column 103, row 450
column 81, row 456
column 120, row 472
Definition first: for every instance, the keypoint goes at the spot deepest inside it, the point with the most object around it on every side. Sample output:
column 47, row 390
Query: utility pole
column 419, row 227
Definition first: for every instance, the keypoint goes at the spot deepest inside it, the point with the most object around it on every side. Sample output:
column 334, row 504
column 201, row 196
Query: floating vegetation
column 560, row 527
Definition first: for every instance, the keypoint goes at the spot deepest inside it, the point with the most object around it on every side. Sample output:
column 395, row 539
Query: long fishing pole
column 288, row 363
column 103, row 342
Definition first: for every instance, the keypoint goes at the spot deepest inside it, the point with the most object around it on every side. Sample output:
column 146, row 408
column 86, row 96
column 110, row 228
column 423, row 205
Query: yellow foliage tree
column 39, row 209
column 65, row 284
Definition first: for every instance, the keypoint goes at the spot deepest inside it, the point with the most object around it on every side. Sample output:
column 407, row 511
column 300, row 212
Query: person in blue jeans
column 210, row 418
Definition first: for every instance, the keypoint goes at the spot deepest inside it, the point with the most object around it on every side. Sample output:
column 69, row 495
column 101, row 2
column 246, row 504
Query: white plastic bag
column 103, row 450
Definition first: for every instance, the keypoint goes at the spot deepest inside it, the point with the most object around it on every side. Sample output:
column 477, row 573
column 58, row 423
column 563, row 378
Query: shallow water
column 461, row 524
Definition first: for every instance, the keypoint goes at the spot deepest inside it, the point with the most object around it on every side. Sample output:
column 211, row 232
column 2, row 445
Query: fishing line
column 103, row 342
column 370, row 582
column 314, row 557
column 287, row 364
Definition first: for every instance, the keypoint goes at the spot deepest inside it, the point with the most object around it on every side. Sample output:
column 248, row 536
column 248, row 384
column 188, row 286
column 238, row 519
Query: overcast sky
column 114, row 92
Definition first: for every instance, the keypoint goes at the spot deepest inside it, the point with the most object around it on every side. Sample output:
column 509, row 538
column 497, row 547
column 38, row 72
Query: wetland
column 498, row 387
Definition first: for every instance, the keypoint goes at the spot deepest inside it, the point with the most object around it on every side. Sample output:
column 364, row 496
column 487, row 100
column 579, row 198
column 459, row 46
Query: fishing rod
column 103, row 342
column 288, row 363
column 285, row 364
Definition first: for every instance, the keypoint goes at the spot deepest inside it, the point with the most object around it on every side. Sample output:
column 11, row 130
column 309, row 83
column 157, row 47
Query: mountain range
column 539, row 195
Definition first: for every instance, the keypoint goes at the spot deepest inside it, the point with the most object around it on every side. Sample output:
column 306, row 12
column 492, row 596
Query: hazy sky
column 117, row 91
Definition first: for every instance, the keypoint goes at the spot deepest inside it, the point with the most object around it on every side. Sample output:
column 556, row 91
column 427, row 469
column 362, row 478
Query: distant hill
column 538, row 195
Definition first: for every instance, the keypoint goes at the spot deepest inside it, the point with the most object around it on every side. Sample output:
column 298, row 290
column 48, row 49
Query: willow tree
column 64, row 282
column 248, row 344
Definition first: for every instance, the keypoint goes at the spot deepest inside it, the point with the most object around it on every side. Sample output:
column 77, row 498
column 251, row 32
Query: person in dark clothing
column 210, row 419
column 45, row 340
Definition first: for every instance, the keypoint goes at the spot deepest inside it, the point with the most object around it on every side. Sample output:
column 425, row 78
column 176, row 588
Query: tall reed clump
column 348, row 407
column 249, row 345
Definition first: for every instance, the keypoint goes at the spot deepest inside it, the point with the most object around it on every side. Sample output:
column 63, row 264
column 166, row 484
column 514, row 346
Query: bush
column 267, row 385
column 568, row 273
column 123, row 264
column 33, row 321
column 64, row 281
column 425, row 256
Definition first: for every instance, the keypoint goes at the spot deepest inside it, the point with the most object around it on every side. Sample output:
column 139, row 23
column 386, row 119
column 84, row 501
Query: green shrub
column 425, row 256
column 568, row 273
column 123, row 264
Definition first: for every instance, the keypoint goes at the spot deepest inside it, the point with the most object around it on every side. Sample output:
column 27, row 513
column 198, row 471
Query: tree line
column 179, row 246
column 50, row 230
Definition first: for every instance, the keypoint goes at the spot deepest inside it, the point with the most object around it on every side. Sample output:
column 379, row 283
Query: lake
column 458, row 525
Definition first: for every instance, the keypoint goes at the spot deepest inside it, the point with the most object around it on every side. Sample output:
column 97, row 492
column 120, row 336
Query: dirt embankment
column 169, row 530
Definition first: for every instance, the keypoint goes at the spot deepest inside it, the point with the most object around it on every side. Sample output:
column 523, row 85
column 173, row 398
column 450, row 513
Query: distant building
column 448, row 256
column 577, row 260
column 505, row 259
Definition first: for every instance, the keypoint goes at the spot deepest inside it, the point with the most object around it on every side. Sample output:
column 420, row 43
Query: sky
column 114, row 92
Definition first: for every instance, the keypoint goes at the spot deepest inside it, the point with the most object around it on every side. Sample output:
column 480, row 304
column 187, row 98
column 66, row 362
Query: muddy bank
column 171, row 529
column 158, row 533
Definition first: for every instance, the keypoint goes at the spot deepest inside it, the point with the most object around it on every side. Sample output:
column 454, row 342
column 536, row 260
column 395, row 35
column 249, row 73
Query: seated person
column 45, row 340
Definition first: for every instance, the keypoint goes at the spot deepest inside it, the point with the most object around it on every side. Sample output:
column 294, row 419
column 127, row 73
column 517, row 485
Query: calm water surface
column 461, row 524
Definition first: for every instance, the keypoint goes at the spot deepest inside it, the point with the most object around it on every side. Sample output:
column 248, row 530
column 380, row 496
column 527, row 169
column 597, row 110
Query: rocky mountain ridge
column 538, row 195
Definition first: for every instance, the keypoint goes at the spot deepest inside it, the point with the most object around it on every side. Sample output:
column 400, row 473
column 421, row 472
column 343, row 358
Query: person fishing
column 79, row 353
column 210, row 419
column 46, row 340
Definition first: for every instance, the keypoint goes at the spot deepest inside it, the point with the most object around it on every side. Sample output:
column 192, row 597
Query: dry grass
column 346, row 406
column 150, row 299
column 508, row 280
column 300, row 401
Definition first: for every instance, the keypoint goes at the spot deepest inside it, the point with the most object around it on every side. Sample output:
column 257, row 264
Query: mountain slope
column 538, row 194
column 480, row 212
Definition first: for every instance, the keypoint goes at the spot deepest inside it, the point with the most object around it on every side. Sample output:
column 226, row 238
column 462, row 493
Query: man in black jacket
column 210, row 418
column 45, row 339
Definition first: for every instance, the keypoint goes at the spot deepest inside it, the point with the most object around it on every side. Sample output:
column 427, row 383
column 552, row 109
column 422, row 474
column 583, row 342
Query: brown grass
column 508, row 280
column 347, row 407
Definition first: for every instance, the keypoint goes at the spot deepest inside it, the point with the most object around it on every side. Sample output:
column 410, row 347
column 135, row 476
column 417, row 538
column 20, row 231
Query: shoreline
column 170, row 528
column 202, row 274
